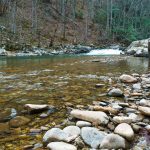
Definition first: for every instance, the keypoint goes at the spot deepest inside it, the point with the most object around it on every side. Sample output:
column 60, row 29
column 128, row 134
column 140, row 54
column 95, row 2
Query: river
column 54, row 80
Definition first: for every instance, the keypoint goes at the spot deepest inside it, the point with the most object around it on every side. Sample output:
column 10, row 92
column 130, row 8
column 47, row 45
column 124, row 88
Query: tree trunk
column 13, row 13
column 34, row 16
column 149, row 49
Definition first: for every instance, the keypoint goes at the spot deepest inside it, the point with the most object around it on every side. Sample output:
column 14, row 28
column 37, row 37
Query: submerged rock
column 4, row 128
column 8, row 114
column 92, row 136
column 61, row 146
column 125, row 130
column 127, row 79
column 19, row 121
column 97, row 117
column 113, row 141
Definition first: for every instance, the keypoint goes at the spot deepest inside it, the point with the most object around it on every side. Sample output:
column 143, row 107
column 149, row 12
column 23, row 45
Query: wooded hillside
column 74, row 21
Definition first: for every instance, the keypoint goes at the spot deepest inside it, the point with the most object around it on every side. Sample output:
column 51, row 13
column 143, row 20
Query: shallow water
column 55, row 80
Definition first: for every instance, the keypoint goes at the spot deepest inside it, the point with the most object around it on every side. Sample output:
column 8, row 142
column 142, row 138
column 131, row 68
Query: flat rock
column 122, row 119
column 97, row 117
column 113, row 141
column 19, row 121
column 144, row 110
column 61, row 146
column 56, row 134
column 115, row 92
column 125, row 130
column 127, row 79
column 37, row 108
column 92, row 136
column 83, row 124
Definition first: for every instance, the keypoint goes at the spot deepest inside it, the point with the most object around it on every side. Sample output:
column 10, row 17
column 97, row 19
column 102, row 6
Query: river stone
column 37, row 108
column 8, row 114
column 144, row 110
column 4, row 128
column 72, row 131
column 122, row 119
column 61, row 146
column 113, row 141
column 127, row 79
column 135, row 118
column 92, row 136
column 19, row 121
column 97, row 117
column 57, row 134
column 144, row 102
column 137, row 86
column 115, row 92
column 125, row 130
column 83, row 124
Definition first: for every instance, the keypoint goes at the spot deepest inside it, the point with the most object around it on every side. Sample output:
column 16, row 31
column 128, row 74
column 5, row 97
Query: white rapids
column 105, row 52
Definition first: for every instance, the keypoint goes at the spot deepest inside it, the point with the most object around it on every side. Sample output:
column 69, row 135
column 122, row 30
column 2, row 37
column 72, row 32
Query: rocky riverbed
column 80, row 101
column 108, row 124
column 105, row 124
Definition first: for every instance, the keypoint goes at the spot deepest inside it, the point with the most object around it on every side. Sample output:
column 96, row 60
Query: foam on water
column 105, row 52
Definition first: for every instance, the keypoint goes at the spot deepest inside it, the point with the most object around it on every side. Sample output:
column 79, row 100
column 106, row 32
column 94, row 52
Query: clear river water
column 54, row 80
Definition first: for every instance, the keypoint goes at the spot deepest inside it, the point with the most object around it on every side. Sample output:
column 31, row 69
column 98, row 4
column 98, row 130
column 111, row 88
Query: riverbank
column 136, row 49
column 58, row 50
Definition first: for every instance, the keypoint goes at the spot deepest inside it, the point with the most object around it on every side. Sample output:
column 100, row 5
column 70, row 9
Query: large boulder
column 96, row 117
column 3, row 52
column 113, row 141
column 125, row 130
column 127, row 79
column 61, row 146
column 138, row 48
column 92, row 136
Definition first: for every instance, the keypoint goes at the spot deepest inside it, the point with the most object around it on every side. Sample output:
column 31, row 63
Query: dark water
column 55, row 81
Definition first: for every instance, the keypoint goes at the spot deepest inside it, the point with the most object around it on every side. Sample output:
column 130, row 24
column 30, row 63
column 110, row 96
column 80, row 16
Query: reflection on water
column 57, row 80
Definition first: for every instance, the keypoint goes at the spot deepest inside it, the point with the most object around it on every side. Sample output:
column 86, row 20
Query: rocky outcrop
column 138, row 48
